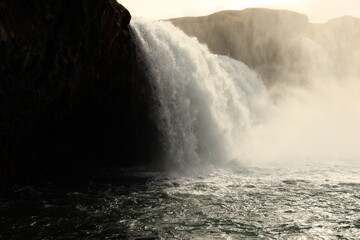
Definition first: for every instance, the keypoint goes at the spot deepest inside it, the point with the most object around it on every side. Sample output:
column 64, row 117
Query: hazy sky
column 317, row 10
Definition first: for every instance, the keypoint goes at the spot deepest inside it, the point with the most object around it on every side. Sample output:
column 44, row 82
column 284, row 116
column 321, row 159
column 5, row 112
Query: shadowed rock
column 71, row 96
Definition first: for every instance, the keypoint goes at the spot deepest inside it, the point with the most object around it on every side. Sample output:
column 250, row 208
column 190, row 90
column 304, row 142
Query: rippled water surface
column 252, row 203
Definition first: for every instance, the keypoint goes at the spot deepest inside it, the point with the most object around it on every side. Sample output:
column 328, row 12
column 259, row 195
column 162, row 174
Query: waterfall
column 213, row 109
column 206, row 102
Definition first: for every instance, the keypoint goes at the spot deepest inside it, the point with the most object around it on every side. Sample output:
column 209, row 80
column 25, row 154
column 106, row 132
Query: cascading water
column 215, row 109
column 207, row 102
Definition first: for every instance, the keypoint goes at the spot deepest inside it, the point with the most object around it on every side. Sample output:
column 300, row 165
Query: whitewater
column 207, row 102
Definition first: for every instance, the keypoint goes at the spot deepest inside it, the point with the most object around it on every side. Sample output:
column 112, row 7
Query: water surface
column 305, row 202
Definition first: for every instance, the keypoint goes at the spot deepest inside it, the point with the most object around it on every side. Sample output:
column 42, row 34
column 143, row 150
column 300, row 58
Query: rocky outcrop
column 280, row 45
column 70, row 93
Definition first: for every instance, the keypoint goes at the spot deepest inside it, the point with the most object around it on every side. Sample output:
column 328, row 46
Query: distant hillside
column 341, row 39
column 281, row 45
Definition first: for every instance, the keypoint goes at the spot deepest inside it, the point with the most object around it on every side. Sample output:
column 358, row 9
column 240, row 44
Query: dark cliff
column 280, row 45
column 70, row 94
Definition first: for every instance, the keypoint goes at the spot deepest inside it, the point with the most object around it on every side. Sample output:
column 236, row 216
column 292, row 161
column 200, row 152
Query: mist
column 315, row 107
column 312, row 78
column 309, row 125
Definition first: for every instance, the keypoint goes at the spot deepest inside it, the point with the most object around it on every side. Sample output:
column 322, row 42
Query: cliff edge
column 69, row 88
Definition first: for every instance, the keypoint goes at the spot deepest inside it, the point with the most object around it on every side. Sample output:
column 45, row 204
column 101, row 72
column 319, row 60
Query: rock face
column 280, row 45
column 258, row 37
column 70, row 93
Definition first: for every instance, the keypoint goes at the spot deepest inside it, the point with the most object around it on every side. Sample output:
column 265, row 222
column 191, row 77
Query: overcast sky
column 317, row 10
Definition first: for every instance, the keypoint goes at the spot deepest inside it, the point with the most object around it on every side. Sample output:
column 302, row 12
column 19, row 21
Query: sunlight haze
column 316, row 10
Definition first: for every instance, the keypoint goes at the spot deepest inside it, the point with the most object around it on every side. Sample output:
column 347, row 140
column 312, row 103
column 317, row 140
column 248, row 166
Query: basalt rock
column 71, row 96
